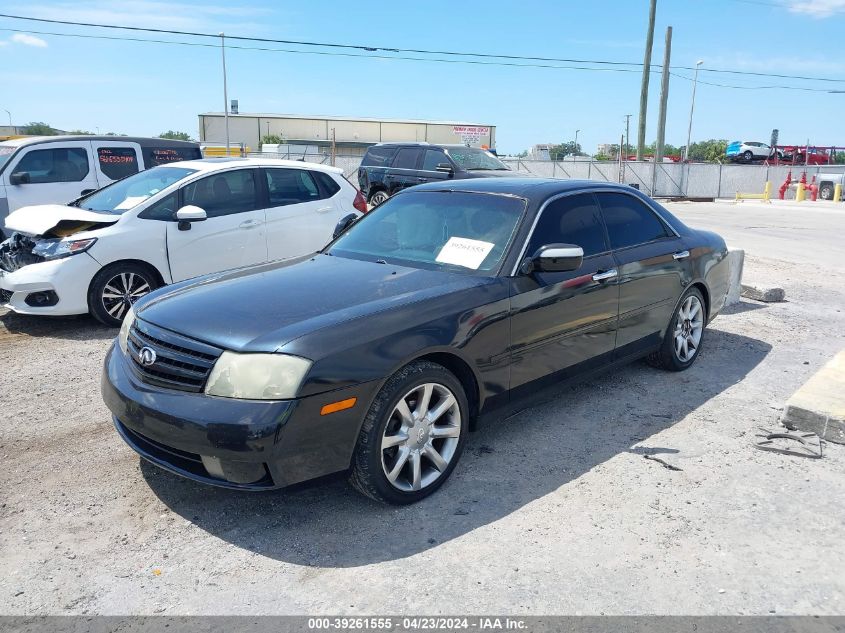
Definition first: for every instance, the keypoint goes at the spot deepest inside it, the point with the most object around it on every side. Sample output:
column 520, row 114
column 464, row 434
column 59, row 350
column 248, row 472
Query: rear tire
column 684, row 334
column 410, row 442
column 379, row 197
column 747, row 156
column 115, row 288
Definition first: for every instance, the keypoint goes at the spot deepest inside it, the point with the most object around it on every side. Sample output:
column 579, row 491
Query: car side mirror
column 188, row 214
column 19, row 178
column 554, row 258
column 345, row 222
column 446, row 168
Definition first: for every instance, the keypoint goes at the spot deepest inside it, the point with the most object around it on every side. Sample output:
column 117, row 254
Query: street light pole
column 575, row 149
column 225, row 91
column 10, row 117
column 692, row 109
column 627, row 135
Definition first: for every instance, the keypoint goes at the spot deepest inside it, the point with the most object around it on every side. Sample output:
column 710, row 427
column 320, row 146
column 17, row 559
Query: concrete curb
column 760, row 293
column 819, row 405
column 736, row 259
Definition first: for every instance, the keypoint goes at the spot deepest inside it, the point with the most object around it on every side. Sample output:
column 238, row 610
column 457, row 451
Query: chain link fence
column 694, row 180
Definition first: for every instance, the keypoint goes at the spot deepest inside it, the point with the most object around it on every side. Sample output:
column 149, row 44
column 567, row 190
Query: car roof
column 215, row 164
column 143, row 141
column 516, row 186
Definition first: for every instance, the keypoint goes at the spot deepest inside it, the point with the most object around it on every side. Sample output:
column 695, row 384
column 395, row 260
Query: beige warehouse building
column 352, row 135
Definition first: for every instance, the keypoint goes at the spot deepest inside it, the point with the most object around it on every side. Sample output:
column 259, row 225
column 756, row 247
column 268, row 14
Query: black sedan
column 449, row 303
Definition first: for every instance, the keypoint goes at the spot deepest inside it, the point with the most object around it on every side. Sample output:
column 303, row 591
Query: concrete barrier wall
column 697, row 180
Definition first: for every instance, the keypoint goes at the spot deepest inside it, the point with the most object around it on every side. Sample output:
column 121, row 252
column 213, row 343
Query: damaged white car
column 102, row 252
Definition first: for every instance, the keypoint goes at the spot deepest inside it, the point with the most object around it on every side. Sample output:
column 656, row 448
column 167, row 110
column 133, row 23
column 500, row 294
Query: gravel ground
column 555, row 511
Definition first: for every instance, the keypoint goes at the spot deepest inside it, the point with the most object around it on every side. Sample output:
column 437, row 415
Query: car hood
column 262, row 308
column 44, row 218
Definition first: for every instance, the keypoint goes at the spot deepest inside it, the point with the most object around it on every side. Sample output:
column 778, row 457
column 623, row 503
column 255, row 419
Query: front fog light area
column 257, row 376
column 123, row 336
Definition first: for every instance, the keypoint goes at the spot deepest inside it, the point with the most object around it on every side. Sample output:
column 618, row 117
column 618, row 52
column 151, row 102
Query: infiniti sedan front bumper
column 242, row 444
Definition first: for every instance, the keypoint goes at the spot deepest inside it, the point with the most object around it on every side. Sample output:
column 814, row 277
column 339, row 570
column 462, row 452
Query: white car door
column 52, row 173
column 300, row 216
column 233, row 235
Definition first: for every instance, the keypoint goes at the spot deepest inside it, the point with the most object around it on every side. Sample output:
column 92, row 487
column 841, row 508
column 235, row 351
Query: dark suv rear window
column 378, row 156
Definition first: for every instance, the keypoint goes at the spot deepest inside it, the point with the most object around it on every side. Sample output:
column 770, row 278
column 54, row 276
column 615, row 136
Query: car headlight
column 257, row 376
column 56, row 249
column 123, row 336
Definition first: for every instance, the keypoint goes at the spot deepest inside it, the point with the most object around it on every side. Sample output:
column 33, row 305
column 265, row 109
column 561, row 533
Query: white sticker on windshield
column 130, row 202
column 465, row 252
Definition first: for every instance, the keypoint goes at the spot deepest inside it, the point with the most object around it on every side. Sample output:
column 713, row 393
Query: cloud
column 817, row 8
column 29, row 40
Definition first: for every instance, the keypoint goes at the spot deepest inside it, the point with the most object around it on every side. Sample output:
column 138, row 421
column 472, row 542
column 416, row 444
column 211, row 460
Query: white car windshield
column 128, row 193
column 455, row 231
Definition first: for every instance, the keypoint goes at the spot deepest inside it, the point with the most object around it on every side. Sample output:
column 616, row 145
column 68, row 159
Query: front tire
column 748, row 156
column 115, row 288
column 412, row 436
column 685, row 334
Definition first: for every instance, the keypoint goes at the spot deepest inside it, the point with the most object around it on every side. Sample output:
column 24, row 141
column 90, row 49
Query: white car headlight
column 123, row 336
column 257, row 376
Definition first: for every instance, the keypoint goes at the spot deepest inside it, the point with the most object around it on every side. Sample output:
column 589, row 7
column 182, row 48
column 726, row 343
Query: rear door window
column 327, row 183
column 117, row 162
column 60, row 164
column 290, row 186
column 161, row 155
column 378, row 157
column 629, row 221
column 407, row 158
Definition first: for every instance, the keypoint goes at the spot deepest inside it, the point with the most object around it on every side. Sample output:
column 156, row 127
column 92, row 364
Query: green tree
column 80, row 132
column 603, row 157
column 523, row 154
column 557, row 152
column 272, row 139
column 839, row 157
column 176, row 136
column 37, row 128
column 710, row 151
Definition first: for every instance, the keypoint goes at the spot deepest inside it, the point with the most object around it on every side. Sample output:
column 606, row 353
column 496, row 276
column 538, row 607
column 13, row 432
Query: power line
column 735, row 87
column 372, row 49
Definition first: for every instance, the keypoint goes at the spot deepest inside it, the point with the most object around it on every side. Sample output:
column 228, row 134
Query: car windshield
column 437, row 230
column 128, row 193
column 473, row 158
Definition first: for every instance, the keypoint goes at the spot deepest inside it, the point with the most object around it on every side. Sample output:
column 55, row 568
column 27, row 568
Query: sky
column 143, row 88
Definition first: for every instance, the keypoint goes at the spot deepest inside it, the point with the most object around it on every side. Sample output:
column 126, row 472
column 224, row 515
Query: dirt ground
column 555, row 511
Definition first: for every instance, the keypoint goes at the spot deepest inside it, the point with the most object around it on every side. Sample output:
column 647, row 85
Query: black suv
column 389, row 167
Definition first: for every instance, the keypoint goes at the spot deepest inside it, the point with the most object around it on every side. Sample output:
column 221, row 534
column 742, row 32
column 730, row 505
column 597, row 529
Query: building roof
column 341, row 118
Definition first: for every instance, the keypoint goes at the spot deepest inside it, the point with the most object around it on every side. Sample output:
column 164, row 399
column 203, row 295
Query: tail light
column 360, row 202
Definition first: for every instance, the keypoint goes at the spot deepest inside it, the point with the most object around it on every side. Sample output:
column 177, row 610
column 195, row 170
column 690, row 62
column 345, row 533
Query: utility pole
column 664, row 98
column 225, row 92
column 649, row 41
column 627, row 135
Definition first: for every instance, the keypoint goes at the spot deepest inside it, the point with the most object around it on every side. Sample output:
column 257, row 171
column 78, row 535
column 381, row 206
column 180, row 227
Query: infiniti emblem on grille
column 146, row 356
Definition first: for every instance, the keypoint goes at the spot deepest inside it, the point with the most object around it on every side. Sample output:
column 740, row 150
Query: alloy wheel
column 688, row 329
column 378, row 198
column 421, row 437
column 121, row 291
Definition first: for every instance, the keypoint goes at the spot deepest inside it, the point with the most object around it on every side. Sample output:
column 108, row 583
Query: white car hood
column 39, row 219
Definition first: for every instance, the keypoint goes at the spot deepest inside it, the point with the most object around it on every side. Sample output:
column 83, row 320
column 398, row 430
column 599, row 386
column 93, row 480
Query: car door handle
column 248, row 224
column 604, row 276
column 324, row 209
column 681, row 255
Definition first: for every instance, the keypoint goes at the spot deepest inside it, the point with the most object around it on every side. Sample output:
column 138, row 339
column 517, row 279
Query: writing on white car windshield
column 128, row 193
column 456, row 231
column 472, row 158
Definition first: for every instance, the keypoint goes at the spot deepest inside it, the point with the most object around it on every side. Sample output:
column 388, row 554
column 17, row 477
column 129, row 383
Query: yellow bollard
column 767, row 191
column 800, row 194
column 837, row 192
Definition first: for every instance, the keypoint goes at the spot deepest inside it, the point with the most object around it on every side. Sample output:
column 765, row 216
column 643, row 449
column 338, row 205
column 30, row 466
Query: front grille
column 180, row 363
column 5, row 296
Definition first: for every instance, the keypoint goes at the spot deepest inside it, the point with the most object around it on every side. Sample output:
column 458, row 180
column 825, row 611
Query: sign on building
column 470, row 134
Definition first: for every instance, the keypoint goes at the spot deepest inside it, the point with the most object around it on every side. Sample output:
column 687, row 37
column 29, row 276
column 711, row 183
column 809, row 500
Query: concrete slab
column 763, row 293
column 736, row 259
column 819, row 405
